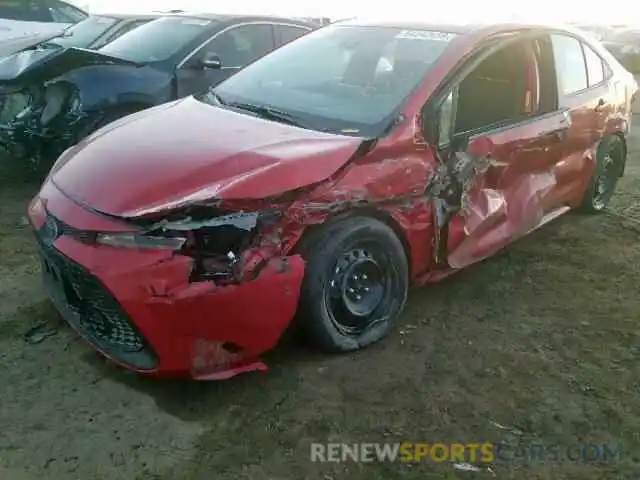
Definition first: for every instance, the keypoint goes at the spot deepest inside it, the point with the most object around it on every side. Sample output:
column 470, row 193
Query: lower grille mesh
column 92, row 310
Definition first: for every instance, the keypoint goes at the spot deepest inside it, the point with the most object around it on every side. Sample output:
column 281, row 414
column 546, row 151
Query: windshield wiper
column 215, row 97
column 268, row 113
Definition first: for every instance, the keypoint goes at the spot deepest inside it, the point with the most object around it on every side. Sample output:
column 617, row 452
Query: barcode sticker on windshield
column 426, row 35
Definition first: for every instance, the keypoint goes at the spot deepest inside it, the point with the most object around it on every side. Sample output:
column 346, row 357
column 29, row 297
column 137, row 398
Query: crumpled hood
column 13, row 45
column 188, row 152
column 41, row 64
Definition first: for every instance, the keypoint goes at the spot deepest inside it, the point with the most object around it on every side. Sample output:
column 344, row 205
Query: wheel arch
column 364, row 211
column 623, row 140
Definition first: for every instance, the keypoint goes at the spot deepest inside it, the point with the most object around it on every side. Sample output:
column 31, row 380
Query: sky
column 450, row 11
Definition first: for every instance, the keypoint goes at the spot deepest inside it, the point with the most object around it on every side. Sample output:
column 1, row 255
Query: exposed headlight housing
column 58, row 97
column 14, row 103
column 141, row 241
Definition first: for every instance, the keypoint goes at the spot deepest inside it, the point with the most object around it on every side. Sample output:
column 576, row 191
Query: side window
column 64, row 13
column 570, row 64
column 506, row 87
column 288, row 33
column 240, row 45
column 595, row 66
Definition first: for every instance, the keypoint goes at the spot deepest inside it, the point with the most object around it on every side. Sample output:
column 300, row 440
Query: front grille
column 90, row 308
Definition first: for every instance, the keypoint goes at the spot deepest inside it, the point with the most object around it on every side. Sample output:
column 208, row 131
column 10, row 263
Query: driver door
column 514, row 193
column 226, row 53
column 511, row 186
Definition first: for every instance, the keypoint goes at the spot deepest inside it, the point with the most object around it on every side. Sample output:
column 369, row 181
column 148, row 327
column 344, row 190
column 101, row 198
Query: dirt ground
column 543, row 339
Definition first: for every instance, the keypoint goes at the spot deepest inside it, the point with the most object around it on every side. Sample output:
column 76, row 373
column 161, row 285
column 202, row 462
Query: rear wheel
column 609, row 163
column 355, row 284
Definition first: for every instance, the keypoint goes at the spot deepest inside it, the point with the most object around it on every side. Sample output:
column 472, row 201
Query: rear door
column 585, row 92
column 234, row 47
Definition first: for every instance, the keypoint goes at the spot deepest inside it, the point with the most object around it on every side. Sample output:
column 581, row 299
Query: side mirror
column 446, row 120
column 438, row 121
column 212, row 61
column 480, row 147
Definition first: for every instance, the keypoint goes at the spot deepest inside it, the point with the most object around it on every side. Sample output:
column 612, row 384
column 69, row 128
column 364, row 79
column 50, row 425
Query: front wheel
column 355, row 284
column 609, row 163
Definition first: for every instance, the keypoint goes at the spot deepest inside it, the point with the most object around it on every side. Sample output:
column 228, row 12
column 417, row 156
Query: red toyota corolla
column 324, row 179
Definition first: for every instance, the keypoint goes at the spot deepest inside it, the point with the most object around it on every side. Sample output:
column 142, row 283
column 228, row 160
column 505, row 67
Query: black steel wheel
column 609, row 166
column 355, row 284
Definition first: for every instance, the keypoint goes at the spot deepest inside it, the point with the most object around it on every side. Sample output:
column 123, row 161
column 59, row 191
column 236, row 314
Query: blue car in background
column 53, row 97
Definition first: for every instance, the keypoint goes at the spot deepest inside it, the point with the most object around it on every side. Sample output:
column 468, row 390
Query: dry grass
column 544, row 338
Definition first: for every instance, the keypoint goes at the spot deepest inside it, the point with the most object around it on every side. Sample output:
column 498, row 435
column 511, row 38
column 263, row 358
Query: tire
column 609, row 165
column 355, row 284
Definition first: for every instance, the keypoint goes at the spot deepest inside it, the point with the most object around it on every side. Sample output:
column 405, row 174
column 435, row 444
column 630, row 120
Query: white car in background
column 28, row 18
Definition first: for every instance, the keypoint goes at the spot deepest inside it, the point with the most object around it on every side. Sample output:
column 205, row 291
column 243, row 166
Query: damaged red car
column 312, row 188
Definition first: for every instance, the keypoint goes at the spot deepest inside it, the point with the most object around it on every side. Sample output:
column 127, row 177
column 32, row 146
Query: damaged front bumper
column 142, row 309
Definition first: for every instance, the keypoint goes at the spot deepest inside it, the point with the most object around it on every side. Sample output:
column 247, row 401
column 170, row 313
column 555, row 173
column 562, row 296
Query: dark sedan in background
column 60, row 96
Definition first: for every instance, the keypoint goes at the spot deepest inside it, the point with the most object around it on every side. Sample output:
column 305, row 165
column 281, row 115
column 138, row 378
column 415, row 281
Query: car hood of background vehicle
column 41, row 64
column 188, row 152
column 13, row 45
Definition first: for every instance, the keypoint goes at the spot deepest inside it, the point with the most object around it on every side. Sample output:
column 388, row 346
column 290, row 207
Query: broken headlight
column 141, row 240
column 59, row 97
column 13, row 104
column 217, row 243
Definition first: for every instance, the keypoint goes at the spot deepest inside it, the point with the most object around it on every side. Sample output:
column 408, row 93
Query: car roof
column 440, row 27
column 130, row 16
column 240, row 18
column 203, row 16
column 460, row 29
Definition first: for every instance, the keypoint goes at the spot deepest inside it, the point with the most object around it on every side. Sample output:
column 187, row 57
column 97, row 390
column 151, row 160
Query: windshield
column 157, row 40
column 84, row 33
column 343, row 79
